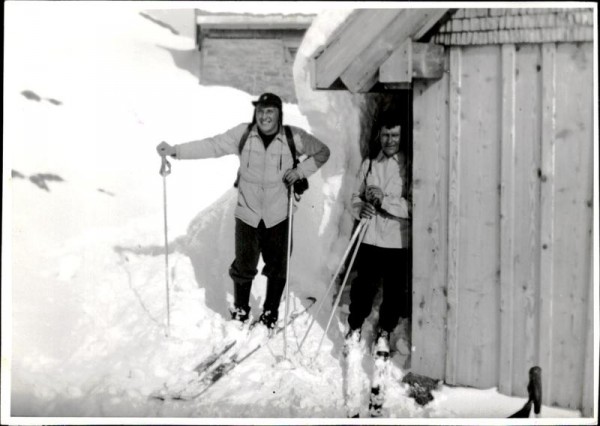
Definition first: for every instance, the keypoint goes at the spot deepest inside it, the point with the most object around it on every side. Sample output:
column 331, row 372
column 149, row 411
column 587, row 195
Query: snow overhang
column 289, row 28
column 246, row 21
column 379, row 46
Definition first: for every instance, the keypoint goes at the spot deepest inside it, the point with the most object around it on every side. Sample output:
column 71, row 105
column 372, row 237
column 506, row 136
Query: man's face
column 390, row 140
column 267, row 118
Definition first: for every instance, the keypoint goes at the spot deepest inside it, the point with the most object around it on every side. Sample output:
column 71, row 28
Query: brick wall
column 251, row 65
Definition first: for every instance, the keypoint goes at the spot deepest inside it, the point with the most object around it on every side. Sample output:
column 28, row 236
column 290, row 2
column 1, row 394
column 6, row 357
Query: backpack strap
column 241, row 144
column 244, row 138
column 290, row 140
column 292, row 146
column 368, row 171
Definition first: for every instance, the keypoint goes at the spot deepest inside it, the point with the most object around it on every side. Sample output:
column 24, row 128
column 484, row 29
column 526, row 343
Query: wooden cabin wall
column 430, row 226
column 502, row 220
column 571, row 152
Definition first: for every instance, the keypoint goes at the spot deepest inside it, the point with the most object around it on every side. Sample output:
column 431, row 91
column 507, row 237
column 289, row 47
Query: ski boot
column 264, row 327
column 268, row 319
column 352, row 340
column 353, row 335
column 382, row 344
column 240, row 314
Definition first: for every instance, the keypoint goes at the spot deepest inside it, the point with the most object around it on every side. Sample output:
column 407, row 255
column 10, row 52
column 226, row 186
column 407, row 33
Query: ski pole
column 288, row 267
column 339, row 297
column 165, row 170
column 355, row 235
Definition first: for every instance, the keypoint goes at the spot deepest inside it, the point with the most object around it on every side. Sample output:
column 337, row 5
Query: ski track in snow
column 88, row 279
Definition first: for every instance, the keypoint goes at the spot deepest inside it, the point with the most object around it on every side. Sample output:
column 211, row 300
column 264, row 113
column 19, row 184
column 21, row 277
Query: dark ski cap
column 268, row 99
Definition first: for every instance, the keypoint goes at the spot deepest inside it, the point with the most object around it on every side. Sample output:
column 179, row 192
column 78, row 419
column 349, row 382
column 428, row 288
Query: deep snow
column 84, row 309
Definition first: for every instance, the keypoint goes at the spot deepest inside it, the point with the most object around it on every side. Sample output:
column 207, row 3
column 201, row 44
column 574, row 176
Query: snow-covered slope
column 90, row 89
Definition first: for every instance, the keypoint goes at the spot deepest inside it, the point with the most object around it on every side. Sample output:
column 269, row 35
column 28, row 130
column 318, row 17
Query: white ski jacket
column 262, row 194
column 391, row 226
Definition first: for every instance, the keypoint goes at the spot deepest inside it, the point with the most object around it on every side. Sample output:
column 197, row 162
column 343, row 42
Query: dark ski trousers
column 250, row 243
column 391, row 265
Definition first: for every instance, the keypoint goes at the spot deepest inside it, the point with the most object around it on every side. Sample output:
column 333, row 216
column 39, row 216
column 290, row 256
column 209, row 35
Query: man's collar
column 277, row 133
column 381, row 156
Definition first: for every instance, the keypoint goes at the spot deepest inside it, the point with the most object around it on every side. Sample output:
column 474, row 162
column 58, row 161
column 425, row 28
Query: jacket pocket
column 277, row 163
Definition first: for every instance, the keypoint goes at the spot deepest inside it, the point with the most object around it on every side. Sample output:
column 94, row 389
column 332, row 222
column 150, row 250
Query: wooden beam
column 413, row 60
column 397, row 86
column 428, row 60
column 507, row 219
column 359, row 30
column 362, row 73
column 398, row 67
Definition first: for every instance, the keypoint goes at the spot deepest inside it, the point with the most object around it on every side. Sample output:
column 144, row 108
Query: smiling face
column 267, row 118
column 390, row 140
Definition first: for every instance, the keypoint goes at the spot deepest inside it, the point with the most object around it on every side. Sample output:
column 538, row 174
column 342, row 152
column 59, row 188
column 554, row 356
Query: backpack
column 300, row 185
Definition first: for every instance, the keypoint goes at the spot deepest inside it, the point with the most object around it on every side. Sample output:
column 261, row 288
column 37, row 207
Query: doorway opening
column 386, row 277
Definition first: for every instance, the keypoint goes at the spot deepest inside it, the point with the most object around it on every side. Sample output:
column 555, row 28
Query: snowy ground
column 90, row 90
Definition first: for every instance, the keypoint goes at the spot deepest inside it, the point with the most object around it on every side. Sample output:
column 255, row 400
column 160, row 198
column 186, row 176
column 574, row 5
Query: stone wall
column 251, row 65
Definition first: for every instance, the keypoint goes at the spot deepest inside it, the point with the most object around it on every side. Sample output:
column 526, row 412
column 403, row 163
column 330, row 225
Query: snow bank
column 88, row 288
column 344, row 122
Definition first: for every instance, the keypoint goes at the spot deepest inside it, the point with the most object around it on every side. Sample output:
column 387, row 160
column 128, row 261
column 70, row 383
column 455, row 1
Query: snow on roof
column 364, row 41
column 227, row 20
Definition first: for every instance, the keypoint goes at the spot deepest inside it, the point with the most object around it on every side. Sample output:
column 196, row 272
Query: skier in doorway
column 383, row 195
column 261, row 216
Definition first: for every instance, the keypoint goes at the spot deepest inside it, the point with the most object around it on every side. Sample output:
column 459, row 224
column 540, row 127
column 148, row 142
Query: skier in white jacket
column 383, row 195
column 266, row 173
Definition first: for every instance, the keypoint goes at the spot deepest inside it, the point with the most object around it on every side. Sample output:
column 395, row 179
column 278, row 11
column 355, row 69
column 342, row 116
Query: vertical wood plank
column 507, row 219
column 430, row 198
column 453, row 213
column 479, row 234
column 527, row 214
column 573, row 197
column 547, row 217
column 590, row 375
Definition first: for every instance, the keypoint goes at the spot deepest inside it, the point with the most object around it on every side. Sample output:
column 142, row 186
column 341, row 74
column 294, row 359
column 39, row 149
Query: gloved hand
column 291, row 176
column 165, row 149
column 374, row 195
column 367, row 211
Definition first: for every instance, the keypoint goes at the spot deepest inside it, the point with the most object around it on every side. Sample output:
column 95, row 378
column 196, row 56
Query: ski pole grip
column 165, row 167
